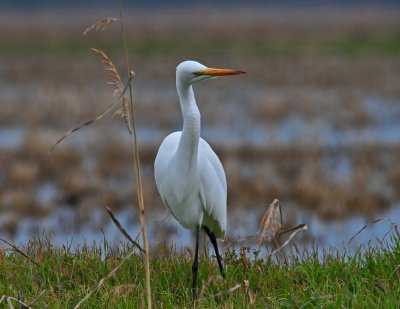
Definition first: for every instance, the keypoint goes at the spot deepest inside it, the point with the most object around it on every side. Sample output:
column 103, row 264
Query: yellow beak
column 218, row 72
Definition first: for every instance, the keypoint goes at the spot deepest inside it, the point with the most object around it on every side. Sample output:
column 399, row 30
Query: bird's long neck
column 189, row 143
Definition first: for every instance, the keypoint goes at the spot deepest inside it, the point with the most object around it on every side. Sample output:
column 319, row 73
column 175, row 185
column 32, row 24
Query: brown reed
column 100, row 25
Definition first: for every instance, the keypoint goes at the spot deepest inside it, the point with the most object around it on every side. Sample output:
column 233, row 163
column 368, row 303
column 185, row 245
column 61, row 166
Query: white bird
column 189, row 176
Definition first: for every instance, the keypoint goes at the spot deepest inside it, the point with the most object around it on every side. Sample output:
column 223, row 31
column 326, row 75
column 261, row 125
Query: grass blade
column 394, row 226
column 122, row 230
column 102, row 115
column 20, row 252
column 37, row 298
column 104, row 279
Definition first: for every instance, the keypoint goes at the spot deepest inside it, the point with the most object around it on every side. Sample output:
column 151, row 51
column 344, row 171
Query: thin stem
column 135, row 154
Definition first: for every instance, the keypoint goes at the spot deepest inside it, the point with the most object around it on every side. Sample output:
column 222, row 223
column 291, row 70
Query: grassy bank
column 368, row 278
column 207, row 32
column 168, row 46
column 330, row 79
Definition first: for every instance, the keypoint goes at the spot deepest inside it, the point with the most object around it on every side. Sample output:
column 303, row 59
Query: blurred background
column 314, row 123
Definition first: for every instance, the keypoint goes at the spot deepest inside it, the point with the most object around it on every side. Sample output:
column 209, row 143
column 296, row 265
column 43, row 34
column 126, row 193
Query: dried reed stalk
column 111, row 69
column 119, row 92
column 20, row 302
column 271, row 223
column 127, row 111
column 9, row 303
column 217, row 279
column 122, row 230
column 297, row 229
column 101, row 25
column 116, row 81
column 37, row 298
column 392, row 223
column 135, row 154
column 271, row 228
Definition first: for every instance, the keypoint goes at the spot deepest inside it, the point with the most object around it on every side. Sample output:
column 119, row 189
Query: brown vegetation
column 47, row 94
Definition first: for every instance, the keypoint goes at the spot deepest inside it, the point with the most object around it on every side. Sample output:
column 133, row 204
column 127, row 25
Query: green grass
column 171, row 46
column 368, row 278
column 355, row 46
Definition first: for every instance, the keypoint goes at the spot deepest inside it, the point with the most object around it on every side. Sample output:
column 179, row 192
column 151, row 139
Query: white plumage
column 195, row 193
column 189, row 176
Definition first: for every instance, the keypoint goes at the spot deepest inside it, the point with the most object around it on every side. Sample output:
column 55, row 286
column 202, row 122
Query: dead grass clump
column 76, row 184
column 35, row 145
column 21, row 202
column 273, row 108
column 113, row 159
column 16, row 200
column 111, row 198
column 67, row 159
column 313, row 178
column 307, row 195
column 312, row 189
column 24, row 174
column 354, row 115
column 123, row 290
column 244, row 190
column 48, row 167
column 366, row 202
column 313, row 84
column 9, row 223
column 148, row 154
column 394, row 178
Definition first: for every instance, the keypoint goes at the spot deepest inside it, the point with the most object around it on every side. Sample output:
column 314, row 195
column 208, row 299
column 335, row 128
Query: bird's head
column 190, row 72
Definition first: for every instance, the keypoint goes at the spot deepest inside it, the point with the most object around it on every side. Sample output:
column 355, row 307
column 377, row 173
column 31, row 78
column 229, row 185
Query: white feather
column 189, row 176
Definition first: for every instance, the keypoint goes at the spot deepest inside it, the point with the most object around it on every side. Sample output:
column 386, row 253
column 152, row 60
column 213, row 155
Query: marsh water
column 65, row 224
column 313, row 123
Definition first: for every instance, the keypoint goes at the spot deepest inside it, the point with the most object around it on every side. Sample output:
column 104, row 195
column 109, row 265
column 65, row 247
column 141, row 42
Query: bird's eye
column 198, row 73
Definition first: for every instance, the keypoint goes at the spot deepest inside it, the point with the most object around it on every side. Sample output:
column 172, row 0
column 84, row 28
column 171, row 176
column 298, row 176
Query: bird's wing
column 213, row 189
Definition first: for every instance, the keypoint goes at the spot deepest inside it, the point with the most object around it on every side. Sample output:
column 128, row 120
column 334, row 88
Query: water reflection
column 258, row 155
column 11, row 138
column 65, row 227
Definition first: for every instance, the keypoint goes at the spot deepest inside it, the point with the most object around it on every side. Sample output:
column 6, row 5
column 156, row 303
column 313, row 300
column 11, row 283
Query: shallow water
column 12, row 138
column 68, row 224
column 385, row 129
column 64, row 228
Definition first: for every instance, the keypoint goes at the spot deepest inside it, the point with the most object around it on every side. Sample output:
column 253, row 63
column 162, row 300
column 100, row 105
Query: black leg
column 195, row 265
column 213, row 240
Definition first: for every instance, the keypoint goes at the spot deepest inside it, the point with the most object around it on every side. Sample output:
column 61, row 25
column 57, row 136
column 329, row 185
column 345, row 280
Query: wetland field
column 314, row 123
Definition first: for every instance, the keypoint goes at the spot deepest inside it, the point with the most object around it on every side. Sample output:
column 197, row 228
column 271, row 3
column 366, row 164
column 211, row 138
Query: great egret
column 189, row 176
